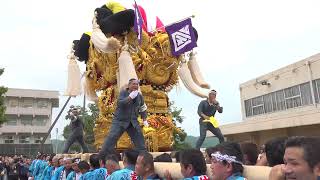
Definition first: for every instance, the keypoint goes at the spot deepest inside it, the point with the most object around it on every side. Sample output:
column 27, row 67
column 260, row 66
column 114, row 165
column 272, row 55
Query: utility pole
column 57, row 143
column 54, row 123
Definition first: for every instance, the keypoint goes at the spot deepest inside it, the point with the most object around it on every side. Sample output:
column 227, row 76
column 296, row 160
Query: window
column 13, row 102
column 299, row 95
column 37, row 139
column 268, row 103
column 274, row 101
column 26, row 120
column 248, row 107
column 25, row 139
column 281, row 103
column 42, row 103
column 306, row 95
column 257, row 105
column 316, row 89
column 40, row 121
column 27, row 103
column 8, row 139
column 293, row 97
column 11, row 120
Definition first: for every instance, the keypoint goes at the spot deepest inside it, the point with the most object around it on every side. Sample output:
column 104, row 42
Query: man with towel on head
column 206, row 110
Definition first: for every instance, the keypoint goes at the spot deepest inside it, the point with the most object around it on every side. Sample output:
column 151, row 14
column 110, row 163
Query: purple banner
column 138, row 22
column 182, row 38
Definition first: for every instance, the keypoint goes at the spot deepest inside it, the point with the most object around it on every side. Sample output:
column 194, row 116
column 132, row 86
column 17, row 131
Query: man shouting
column 130, row 105
column 206, row 109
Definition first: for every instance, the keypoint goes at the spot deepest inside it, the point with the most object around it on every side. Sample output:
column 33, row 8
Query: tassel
column 126, row 68
column 74, row 79
column 195, row 72
column 88, row 87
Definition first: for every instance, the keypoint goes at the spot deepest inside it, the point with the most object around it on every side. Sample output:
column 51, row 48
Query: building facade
column 284, row 102
column 29, row 115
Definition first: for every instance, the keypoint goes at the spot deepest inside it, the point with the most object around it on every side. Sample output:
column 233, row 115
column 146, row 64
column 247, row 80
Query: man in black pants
column 206, row 109
column 76, row 126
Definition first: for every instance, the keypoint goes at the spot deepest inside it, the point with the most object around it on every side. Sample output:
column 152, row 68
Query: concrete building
column 284, row 102
column 29, row 114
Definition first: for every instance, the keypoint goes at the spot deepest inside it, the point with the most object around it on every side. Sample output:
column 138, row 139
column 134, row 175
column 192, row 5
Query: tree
column 3, row 90
column 89, row 117
column 179, row 137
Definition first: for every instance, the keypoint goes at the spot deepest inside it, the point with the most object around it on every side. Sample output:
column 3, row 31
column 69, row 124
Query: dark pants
column 116, row 131
column 204, row 126
column 72, row 139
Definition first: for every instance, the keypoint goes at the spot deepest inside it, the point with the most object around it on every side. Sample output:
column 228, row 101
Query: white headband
column 212, row 92
column 224, row 157
column 77, row 161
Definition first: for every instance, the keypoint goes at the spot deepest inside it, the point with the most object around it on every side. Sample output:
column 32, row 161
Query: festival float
column 121, row 47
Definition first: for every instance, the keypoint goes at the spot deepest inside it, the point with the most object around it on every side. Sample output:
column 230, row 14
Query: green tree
column 89, row 117
column 3, row 90
column 179, row 137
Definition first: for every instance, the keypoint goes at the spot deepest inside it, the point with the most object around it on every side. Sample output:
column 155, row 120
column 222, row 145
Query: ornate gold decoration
column 157, row 70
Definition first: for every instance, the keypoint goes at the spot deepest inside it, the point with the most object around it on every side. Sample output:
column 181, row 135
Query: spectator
column 6, row 167
column 262, row 158
column 13, row 172
column 250, row 153
column 193, row 165
column 275, row 150
column 302, row 160
column 3, row 170
column 23, row 169
column 226, row 163
column 145, row 166
column 165, row 157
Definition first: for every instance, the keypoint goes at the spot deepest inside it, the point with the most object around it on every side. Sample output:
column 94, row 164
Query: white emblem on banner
column 181, row 38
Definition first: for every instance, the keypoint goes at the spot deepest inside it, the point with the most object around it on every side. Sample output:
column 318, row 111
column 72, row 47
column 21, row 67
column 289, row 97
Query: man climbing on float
column 206, row 110
column 130, row 105
column 76, row 127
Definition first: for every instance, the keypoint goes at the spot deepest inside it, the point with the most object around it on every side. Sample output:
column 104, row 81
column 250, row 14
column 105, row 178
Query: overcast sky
column 238, row 41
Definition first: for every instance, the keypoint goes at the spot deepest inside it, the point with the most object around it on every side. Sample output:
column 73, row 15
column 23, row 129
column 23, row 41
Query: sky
column 238, row 41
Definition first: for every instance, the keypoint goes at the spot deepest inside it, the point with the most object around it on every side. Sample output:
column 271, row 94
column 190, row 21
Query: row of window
column 299, row 95
column 27, row 103
column 27, row 120
column 22, row 139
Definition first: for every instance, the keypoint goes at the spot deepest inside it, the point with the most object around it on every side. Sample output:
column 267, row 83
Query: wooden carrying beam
column 250, row 172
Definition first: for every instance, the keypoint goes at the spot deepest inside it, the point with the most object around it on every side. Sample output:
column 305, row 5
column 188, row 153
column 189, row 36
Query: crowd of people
column 14, row 167
column 290, row 158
